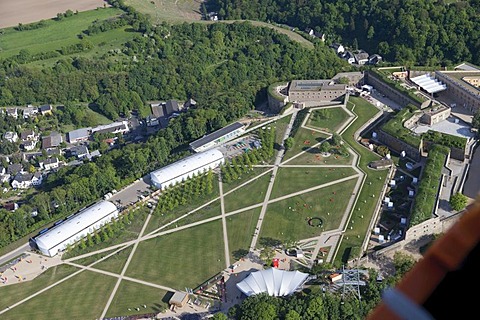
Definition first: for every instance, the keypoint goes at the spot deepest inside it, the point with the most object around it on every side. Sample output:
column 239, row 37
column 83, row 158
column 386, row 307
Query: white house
column 12, row 112
column 29, row 145
column 26, row 180
column 11, row 136
column 339, row 49
column 29, row 111
column 50, row 163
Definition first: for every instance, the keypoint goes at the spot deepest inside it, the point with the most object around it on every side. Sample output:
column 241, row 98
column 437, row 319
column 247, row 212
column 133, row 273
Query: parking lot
column 236, row 147
column 133, row 193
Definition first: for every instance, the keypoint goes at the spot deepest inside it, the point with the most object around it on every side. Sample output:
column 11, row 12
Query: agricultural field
column 14, row 12
column 55, row 35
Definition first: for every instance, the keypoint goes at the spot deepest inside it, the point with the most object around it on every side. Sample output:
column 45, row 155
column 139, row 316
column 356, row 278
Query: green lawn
column 212, row 210
column 251, row 194
column 157, row 220
column 58, row 34
column 13, row 293
column 289, row 180
column 374, row 182
column 314, row 157
column 131, row 295
column 244, row 178
column 283, row 223
column 81, row 297
column 240, row 228
column 91, row 259
column 327, row 119
column 304, row 138
column 181, row 259
column 116, row 262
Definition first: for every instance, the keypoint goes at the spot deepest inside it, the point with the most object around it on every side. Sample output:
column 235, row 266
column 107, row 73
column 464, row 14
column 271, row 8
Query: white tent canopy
column 429, row 84
column 273, row 281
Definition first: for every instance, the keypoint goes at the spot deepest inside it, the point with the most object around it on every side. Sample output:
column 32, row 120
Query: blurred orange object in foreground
column 443, row 283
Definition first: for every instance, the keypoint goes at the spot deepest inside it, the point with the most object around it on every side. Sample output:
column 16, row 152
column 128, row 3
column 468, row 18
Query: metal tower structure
column 351, row 282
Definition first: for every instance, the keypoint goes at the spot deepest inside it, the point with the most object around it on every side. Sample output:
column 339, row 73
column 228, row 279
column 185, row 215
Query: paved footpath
column 224, row 222
column 278, row 160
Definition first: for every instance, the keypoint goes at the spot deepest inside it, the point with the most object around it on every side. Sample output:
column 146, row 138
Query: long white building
column 74, row 228
column 218, row 137
column 186, row 168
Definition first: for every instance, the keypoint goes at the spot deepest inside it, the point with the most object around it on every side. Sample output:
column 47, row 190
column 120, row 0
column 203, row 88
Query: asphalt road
column 15, row 253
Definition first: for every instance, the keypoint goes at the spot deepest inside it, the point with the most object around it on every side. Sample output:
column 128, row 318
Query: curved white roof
column 75, row 224
column 429, row 84
column 181, row 167
column 273, row 281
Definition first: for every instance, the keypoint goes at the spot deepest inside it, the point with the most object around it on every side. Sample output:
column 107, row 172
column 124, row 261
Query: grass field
column 89, row 260
column 284, row 224
column 134, row 295
column 244, row 178
column 333, row 120
column 14, row 293
column 212, row 210
column 58, row 34
column 314, row 157
column 374, row 181
column 157, row 220
column 116, row 262
column 240, row 228
column 182, row 259
column 252, row 193
column 81, row 297
column 304, row 139
column 304, row 178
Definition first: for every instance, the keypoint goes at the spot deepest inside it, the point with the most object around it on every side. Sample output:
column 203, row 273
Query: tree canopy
column 425, row 32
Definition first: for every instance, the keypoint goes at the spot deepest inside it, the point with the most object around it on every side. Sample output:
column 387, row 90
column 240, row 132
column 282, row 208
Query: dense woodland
column 424, row 32
column 224, row 67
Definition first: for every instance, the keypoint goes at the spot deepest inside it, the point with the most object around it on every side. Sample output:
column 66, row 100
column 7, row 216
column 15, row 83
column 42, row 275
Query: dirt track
column 13, row 12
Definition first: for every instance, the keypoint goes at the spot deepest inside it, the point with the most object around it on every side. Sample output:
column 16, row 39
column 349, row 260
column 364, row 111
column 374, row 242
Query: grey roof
column 53, row 140
column 79, row 133
column 45, row 107
column 24, row 135
column 314, row 85
column 361, row 56
column 14, row 168
column 50, row 161
column 29, row 111
column 20, row 177
column 79, row 150
column 171, row 106
column 215, row 135
column 158, row 111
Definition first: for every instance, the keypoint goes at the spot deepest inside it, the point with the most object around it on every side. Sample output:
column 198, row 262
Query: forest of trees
column 224, row 67
column 423, row 32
